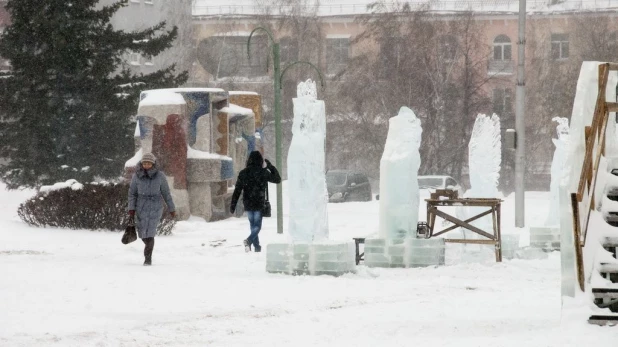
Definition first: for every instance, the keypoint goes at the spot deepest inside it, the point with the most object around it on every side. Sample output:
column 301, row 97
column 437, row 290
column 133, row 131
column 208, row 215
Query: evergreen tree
column 66, row 107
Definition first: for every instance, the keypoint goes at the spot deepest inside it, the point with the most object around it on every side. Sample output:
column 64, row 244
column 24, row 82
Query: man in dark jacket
column 253, row 182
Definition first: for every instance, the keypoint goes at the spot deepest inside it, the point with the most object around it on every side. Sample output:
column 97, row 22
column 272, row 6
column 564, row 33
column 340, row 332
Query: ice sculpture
column 557, row 164
column 485, row 157
column 306, row 168
column 399, row 195
column 484, row 160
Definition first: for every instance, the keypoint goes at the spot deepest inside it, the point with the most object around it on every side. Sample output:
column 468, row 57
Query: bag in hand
column 266, row 212
column 130, row 234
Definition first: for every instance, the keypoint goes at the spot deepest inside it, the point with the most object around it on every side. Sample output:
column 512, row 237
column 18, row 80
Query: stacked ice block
column 310, row 258
column 410, row 252
column 545, row 237
column 510, row 246
column 424, row 252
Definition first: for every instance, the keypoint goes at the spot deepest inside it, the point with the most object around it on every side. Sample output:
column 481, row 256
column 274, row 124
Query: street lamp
column 278, row 78
column 520, row 124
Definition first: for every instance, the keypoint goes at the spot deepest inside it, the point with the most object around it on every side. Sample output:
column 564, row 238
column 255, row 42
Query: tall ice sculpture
column 309, row 252
column 397, row 245
column 548, row 236
column 306, row 169
column 399, row 196
column 484, row 162
column 561, row 143
column 485, row 157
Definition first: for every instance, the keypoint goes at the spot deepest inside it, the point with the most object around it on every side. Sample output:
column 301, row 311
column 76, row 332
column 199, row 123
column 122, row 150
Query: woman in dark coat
column 148, row 185
column 253, row 182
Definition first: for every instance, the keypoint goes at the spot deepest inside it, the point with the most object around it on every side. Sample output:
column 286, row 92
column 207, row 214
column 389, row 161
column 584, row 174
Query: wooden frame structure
column 359, row 256
column 582, row 202
column 494, row 238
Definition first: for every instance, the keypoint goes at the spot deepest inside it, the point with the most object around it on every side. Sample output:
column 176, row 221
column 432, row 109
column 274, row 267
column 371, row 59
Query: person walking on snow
column 148, row 185
column 253, row 182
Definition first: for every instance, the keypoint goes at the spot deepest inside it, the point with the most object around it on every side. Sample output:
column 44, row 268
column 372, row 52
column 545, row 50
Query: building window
column 503, row 104
column 149, row 2
column 502, row 48
column 559, row 46
column 501, row 63
column 391, row 56
column 148, row 60
column 134, row 58
column 448, row 48
column 337, row 55
column 289, row 50
column 5, row 65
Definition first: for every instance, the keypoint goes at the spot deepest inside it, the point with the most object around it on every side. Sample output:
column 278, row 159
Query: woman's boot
column 149, row 246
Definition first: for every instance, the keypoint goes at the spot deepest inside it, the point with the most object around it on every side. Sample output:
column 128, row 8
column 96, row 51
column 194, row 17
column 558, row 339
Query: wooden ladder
column 583, row 202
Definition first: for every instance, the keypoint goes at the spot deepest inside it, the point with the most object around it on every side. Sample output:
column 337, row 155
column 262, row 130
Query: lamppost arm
column 270, row 36
column 277, row 114
column 301, row 62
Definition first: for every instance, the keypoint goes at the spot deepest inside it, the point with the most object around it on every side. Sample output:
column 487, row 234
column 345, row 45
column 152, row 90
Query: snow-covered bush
column 91, row 206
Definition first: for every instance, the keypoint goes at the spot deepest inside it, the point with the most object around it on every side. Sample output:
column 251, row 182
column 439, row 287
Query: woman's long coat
column 145, row 192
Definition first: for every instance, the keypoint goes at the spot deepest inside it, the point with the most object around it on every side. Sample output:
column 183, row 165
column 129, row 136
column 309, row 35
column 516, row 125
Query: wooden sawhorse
column 494, row 209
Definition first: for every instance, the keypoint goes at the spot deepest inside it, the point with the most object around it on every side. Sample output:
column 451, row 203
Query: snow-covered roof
column 186, row 90
column 240, row 92
column 235, row 109
column 357, row 7
column 162, row 97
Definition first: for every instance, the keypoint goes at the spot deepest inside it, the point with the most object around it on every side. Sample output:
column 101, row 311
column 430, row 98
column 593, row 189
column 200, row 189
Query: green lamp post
column 278, row 78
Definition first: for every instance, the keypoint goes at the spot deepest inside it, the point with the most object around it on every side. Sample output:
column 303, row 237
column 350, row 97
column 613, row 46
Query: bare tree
column 435, row 65
column 552, row 73
column 595, row 38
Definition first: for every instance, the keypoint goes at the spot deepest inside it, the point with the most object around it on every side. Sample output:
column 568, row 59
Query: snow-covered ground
column 83, row 288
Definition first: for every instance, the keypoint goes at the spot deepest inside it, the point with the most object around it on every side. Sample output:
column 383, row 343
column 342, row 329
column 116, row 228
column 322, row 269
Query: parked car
column 345, row 185
column 429, row 184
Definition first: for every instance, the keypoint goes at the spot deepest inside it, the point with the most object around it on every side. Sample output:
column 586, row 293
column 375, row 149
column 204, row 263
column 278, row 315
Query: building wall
column 143, row 14
column 5, row 20
column 501, row 88
column 495, row 25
